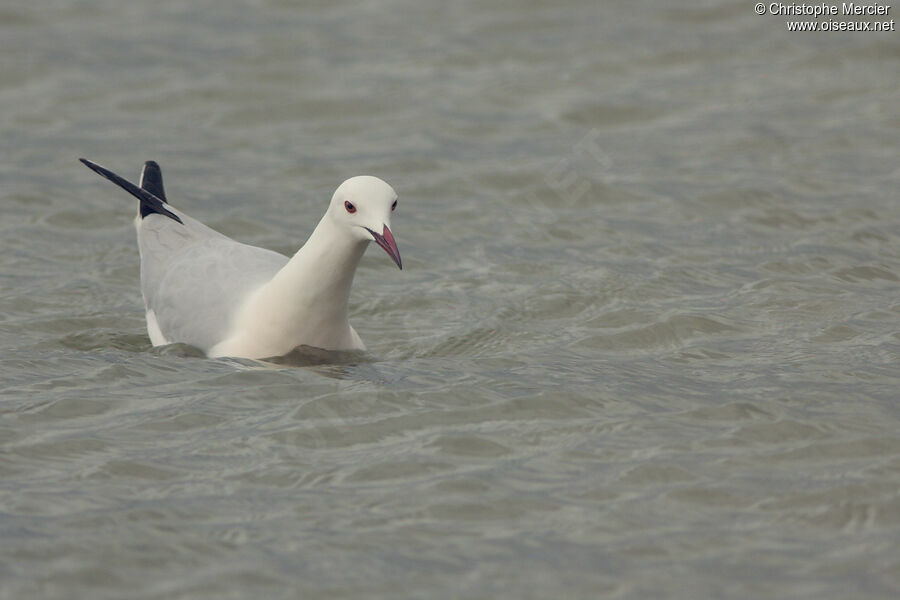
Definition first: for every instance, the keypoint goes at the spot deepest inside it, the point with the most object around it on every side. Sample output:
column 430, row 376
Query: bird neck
column 324, row 267
column 314, row 286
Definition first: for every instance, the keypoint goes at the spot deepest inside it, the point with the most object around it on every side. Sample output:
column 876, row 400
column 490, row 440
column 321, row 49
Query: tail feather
column 150, row 202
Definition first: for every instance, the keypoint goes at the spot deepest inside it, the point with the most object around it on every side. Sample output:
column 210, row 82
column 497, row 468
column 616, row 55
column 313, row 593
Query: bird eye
column 349, row 206
column 394, row 205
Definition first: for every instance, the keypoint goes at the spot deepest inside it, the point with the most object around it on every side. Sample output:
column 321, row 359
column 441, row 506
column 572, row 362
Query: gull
column 226, row 298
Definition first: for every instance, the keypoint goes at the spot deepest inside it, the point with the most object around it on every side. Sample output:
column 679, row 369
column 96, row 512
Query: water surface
column 645, row 343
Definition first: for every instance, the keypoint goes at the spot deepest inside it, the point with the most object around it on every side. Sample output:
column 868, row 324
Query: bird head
column 363, row 206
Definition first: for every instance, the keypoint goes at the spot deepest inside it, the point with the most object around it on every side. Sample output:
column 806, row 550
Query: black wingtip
column 152, row 181
column 149, row 202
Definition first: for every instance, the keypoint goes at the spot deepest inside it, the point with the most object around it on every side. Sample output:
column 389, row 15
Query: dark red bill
column 386, row 241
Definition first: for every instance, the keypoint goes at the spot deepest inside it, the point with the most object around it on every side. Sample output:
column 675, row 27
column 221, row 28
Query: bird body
column 231, row 299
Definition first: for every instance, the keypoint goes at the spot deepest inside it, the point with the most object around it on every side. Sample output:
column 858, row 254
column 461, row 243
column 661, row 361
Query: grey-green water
column 645, row 343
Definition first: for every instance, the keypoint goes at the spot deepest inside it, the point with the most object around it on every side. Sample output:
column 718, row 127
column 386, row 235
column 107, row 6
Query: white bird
column 231, row 299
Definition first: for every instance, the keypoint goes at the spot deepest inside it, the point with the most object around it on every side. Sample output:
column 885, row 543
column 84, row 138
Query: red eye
column 394, row 205
column 349, row 206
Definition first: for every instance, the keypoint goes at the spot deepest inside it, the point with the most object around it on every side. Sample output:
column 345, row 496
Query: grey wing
column 195, row 279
